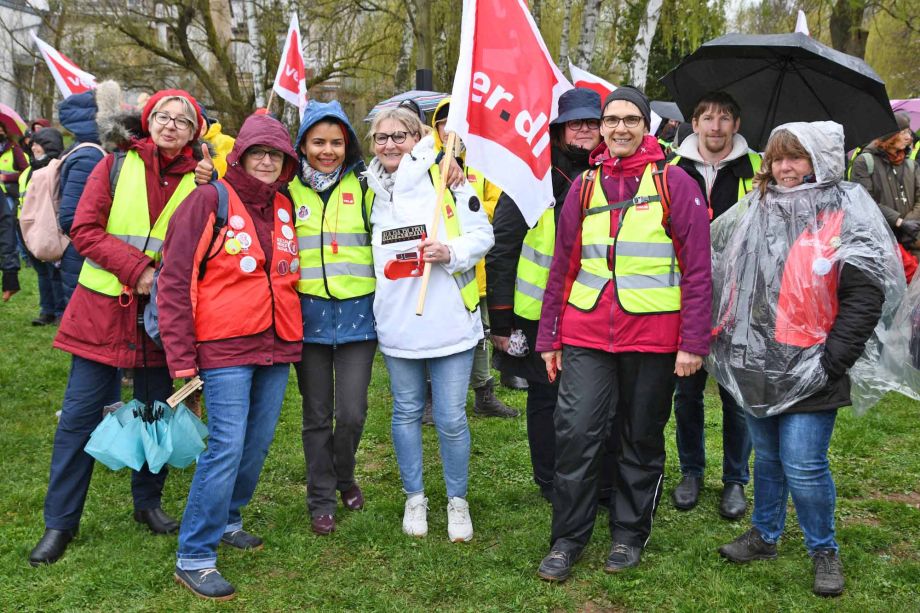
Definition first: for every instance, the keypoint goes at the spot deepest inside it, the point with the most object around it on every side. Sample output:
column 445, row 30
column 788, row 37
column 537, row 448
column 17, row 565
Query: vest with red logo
column 807, row 304
column 237, row 297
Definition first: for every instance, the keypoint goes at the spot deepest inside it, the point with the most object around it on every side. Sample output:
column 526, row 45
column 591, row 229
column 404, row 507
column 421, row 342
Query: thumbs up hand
column 204, row 171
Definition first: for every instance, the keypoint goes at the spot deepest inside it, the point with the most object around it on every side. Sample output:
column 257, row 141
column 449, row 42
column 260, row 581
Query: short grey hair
column 407, row 118
column 187, row 108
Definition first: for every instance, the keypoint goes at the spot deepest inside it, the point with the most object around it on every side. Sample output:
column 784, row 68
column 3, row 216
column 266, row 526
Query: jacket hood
column 438, row 145
column 317, row 111
column 50, row 140
column 823, row 140
column 690, row 148
column 95, row 116
column 269, row 132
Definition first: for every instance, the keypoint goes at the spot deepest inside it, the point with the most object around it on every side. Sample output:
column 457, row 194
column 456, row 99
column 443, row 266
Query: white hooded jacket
column 446, row 327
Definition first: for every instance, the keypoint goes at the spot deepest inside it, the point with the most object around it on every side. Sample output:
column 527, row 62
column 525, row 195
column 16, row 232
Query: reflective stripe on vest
column 238, row 297
column 7, row 164
column 533, row 266
column 25, row 177
column 915, row 151
column 644, row 263
column 466, row 280
column 129, row 221
column 344, row 270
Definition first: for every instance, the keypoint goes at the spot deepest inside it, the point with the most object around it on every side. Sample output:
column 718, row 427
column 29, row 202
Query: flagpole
column 271, row 96
column 436, row 220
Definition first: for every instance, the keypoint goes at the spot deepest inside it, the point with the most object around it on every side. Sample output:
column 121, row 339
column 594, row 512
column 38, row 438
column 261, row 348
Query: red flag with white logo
column 506, row 92
column 583, row 78
column 68, row 77
column 291, row 80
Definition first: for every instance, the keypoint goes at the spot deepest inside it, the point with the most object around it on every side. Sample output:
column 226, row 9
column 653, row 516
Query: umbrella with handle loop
column 160, row 434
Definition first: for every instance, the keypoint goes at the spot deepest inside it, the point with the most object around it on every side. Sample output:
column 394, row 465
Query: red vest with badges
column 807, row 304
column 237, row 297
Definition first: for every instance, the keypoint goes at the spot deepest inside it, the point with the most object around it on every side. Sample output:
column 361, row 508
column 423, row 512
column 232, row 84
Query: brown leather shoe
column 352, row 498
column 323, row 524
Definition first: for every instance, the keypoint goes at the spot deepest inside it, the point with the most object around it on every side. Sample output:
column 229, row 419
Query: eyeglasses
column 164, row 118
column 612, row 121
column 258, row 153
column 381, row 138
column 579, row 124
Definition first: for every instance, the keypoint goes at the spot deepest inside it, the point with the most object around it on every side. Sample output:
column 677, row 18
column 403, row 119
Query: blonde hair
column 782, row 144
column 187, row 109
column 407, row 118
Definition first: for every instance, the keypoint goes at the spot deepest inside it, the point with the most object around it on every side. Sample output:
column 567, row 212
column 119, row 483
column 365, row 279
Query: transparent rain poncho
column 777, row 259
column 901, row 349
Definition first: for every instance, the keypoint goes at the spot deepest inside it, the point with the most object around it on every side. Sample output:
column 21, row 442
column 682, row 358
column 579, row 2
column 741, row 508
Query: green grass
column 368, row 564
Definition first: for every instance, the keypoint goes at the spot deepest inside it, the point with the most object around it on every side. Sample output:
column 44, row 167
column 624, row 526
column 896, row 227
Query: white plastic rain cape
column 901, row 350
column 777, row 260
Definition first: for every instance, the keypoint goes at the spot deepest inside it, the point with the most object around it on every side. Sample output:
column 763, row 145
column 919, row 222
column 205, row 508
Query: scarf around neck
column 387, row 179
column 319, row 181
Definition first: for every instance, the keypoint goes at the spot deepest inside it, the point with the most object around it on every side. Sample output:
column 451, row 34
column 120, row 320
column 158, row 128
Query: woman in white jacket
column 402, row 177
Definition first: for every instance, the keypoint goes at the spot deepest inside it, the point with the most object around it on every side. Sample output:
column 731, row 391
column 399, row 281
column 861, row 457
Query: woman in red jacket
column 118, row 228
column 229, row 309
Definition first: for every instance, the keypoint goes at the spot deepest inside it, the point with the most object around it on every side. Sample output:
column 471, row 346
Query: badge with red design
column 348, row 198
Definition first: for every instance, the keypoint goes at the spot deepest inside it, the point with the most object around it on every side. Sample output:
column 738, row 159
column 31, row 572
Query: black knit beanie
column 631, row 94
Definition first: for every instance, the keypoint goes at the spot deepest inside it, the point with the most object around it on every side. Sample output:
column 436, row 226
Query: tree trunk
column 847, row 31
column 424, row 53
column 405, row 56
column 638, row 69
column 536, row 10
column 255, row 58
column 564, row 42
column 585, row 50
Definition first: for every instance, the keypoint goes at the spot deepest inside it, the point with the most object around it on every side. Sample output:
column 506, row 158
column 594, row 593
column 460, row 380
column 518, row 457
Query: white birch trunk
column 586, row 40
column 255, row 57
column 564, row 42
column 405, row 56
column 638, row 68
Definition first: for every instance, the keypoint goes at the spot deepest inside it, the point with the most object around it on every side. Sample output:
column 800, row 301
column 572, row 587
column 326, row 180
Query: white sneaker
column 459, row 523
column 415, row 517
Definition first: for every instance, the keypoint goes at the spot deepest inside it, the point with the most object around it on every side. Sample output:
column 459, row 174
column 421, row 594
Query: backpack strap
column 870, row 161
column 365, row 214
column 220, row 220
column 115, row 171
column 587, row 190
column 660, row 177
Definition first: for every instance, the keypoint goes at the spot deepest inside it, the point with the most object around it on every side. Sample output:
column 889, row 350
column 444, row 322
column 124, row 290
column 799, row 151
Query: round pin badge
column 835, row 242
column 284, row 216
column 248, row 264
column 303, row 213
column 288, row 232
column 245, row 239
column 237, row 222
column 282, row 267
column 232, row 246
column 821, row 266
column 230, row 233
column 295, row 264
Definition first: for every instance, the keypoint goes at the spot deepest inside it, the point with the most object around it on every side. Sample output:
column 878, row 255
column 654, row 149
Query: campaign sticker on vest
column 835, row 242
column 237, row 222
column 303, row 213
column 230, row 233
column 282, row 267
column 348, row 198
column 821, row 266
column 286, row 245
column 245, row 239
column 471, row 177
column 233, row 246
column 642, row 206
column 284, row 216
column 474, row 204
column 450, row 211
column 287, row 232
column 295, row 264
column 248, row 264
column 398, row 235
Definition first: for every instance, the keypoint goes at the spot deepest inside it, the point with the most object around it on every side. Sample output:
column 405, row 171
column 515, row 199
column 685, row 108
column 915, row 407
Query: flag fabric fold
column 291, row 80
column 69, row 78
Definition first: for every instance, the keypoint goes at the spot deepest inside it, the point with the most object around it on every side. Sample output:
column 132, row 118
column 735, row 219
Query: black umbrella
column 668, row 110
column 778, row 78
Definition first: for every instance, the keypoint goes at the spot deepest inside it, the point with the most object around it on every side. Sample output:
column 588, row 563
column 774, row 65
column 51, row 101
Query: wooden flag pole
column 184, row 392
column 271, row 96
column 436, row 219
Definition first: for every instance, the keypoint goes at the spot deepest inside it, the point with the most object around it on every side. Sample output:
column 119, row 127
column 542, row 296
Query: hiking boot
column 459, row 523
column 415, row 516
column 828, row 573
column 241, row 540
column 323, row 524
column 748, row 547
column 206, row 583
column 733, row 503
column 352, row 498
column 514, row 383
column 687, row 493
column 622, row 556
column 487, row 405
column 556, row 566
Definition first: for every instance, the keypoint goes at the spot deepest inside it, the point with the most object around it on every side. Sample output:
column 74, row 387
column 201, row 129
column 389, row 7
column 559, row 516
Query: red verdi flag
column 291, row 80
column 68, row 77
column 506, row 92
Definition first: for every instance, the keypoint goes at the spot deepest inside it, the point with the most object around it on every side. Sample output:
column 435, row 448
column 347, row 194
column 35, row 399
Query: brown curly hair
column 782, row 143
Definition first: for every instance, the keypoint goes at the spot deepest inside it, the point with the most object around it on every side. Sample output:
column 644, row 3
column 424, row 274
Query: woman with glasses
column 403, row 179
column 336, row 286
column 517, row 269
column 626, row 308
column 229, row 311
column 119, row 228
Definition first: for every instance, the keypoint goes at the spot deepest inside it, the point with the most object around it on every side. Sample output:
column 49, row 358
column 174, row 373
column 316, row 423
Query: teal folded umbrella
column 155, row 438
column 186, row 435
column 116, row 441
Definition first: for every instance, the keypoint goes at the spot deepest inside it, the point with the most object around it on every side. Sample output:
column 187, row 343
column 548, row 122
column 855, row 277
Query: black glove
column 909, row 229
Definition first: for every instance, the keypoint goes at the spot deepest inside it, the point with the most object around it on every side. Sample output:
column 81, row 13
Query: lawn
column 368, row 564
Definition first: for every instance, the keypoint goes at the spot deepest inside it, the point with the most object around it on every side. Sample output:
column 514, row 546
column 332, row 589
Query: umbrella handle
column 184, row 392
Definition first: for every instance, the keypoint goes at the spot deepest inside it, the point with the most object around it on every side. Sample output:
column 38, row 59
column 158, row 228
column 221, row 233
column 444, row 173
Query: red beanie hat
column 169, row 93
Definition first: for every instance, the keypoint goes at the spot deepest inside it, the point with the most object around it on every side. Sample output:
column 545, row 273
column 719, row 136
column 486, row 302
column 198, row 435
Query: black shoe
column 514, row 383
column 241, row 540
column 687, row 493
column 622, row 556
column 487, row 405
column 205, row 583
column 157, row 520
column 547, row 493
column 748, row 547
column 557, row 566
column 733, row 504
column 43, row 319
column 51, row 546
column 828, row 573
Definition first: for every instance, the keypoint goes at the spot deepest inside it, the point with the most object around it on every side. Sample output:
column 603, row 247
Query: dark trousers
column 91, row 386
column 691, row 442
column 50, row 289
column 333, row 381
column 596, row 386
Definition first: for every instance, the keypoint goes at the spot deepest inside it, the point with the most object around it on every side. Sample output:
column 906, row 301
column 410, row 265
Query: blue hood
column 77, row 113
column 320, row 110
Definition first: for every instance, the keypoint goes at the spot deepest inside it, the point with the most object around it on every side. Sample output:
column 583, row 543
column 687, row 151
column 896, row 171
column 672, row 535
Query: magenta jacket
column 608, row 327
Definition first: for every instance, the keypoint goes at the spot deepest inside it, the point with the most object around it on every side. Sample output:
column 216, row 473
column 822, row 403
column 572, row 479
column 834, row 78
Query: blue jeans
column 90, row 387
column 790, row 456
column 450, row 378
column 243, row 406
column 691, row 431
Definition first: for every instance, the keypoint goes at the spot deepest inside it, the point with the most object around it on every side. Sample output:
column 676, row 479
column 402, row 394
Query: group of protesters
column 271, row 253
